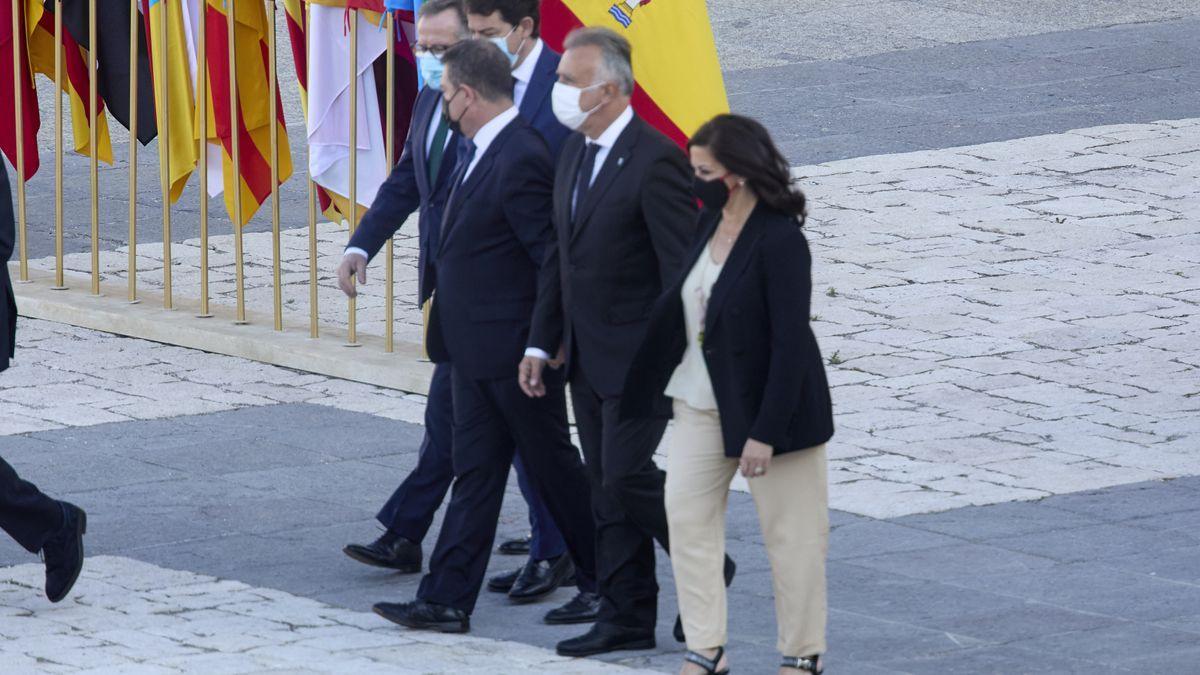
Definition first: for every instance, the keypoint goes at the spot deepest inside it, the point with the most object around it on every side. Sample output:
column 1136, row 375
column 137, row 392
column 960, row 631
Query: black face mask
column 454, row 125
column 714, row 193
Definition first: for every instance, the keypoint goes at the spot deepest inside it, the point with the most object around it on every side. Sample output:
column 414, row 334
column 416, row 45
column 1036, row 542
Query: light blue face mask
column 431, row 68
column 502, row 43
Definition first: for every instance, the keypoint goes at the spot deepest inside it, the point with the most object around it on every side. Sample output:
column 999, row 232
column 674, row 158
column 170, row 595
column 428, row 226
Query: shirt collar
column 524, row 72
column 488, row 132
column 614, row 130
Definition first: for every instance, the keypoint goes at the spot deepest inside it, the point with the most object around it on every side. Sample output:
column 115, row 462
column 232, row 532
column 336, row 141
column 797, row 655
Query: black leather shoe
column 541, row 578
column 503, row 583
column 730, row 570
column 604, row 638
column 392, row 552
column 425, row 616
column 583, row 608
column 515, row 546
column 63, row 552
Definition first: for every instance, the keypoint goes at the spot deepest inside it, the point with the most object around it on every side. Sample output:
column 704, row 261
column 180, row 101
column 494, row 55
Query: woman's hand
column 756, row 458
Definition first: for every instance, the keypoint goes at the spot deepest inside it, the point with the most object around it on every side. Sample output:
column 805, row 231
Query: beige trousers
column 792, row 500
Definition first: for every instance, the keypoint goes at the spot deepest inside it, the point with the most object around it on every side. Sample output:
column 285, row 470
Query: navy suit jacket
column 492, row 257
column 409, row 187
column 535, row 107
column 8, row 304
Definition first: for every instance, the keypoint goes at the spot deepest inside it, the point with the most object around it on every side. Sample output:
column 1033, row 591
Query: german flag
column 8, row 93
column 40, row 26
column 256, row 111
column 112, row 56
column 674, row 56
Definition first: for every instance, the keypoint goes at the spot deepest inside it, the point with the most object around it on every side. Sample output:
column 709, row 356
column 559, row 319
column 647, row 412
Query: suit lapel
column 539, row 85
column 617, row 158
column 566, row 186
column 735, row 265
column 426, row 104
column 461, row 193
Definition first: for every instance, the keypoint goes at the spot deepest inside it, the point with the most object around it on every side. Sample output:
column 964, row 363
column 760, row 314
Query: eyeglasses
column 436, row 51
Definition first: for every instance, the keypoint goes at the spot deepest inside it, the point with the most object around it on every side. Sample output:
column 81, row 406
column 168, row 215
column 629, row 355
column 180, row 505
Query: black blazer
column 410, row 187
column 762, row 356
column 8, row 303
column 492, row 252
column 627, row 244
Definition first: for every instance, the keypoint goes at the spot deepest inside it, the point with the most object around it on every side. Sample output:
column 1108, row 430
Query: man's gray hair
column 435, row 7
column 616, row 61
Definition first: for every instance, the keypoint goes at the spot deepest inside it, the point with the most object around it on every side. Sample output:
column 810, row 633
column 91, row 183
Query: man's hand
column 756, row 459
column 529, row 376
column 353, row 265
column 560, row 359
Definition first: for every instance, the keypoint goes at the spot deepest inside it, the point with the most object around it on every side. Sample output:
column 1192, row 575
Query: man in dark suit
column 35, row 521
column 513, row 26
column 489, row 262
column 421, row 181
column 625, row 216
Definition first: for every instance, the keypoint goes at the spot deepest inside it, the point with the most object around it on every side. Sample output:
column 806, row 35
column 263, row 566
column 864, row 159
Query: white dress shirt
column 524, row 72
column 486, row 135
column 606, row 141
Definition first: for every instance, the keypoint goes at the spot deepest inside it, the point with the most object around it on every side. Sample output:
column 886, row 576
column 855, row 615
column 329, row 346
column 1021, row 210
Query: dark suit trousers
column 491, row 418
column 26, row 514
column 627, row 501
column 410, row 510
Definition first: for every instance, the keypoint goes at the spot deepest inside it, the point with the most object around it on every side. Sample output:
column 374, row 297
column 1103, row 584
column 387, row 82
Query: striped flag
column 40, row 27
column 674, row 56
column 29, row 103
column 256, row 111
column 180, row 93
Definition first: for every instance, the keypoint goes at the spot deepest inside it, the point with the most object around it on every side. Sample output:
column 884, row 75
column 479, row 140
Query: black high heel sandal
column 811, row 664
column 709, row 665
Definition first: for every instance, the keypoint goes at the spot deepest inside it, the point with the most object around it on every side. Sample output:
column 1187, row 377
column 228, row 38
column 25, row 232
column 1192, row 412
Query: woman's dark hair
column 744, row 147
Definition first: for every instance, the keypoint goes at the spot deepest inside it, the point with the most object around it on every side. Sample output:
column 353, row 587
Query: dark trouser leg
column 543, row 439
column 482, row 455
column 546, row 542
column 27, row 515
column 627, row 500
column 411, row 508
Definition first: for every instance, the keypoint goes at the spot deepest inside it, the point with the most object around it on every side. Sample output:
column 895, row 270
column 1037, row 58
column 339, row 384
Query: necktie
column 466, row 153
column 583, row 181
column 438, row 148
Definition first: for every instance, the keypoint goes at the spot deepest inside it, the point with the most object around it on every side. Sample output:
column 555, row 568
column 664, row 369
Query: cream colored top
column 691, row 383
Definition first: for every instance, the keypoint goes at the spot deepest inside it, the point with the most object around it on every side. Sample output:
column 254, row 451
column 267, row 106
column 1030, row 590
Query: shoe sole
column 82, row 530
column 439, row 627
column 367, row 560
column 569, row 622
column 627, row 647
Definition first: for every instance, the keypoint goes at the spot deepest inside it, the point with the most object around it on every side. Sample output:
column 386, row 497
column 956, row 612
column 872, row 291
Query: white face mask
column 564, row 100
column 502, row 43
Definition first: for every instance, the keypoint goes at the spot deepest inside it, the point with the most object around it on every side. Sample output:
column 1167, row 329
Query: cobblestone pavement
column 128, row 616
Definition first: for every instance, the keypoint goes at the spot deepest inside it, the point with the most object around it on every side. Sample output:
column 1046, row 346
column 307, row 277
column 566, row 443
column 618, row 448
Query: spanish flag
column 674, row 56
column 40, row 26
column 8, row 94
column 256, row 111
column 179, row 95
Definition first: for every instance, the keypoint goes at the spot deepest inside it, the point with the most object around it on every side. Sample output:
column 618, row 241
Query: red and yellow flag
column 674, row 56
column 256, row 111
column 8, row 93
column 169, row 54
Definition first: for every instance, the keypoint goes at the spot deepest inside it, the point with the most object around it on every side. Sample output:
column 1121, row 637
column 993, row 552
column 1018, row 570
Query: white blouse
column 690, row 382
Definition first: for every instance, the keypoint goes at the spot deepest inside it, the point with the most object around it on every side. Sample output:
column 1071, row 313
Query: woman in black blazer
column 730, row 343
